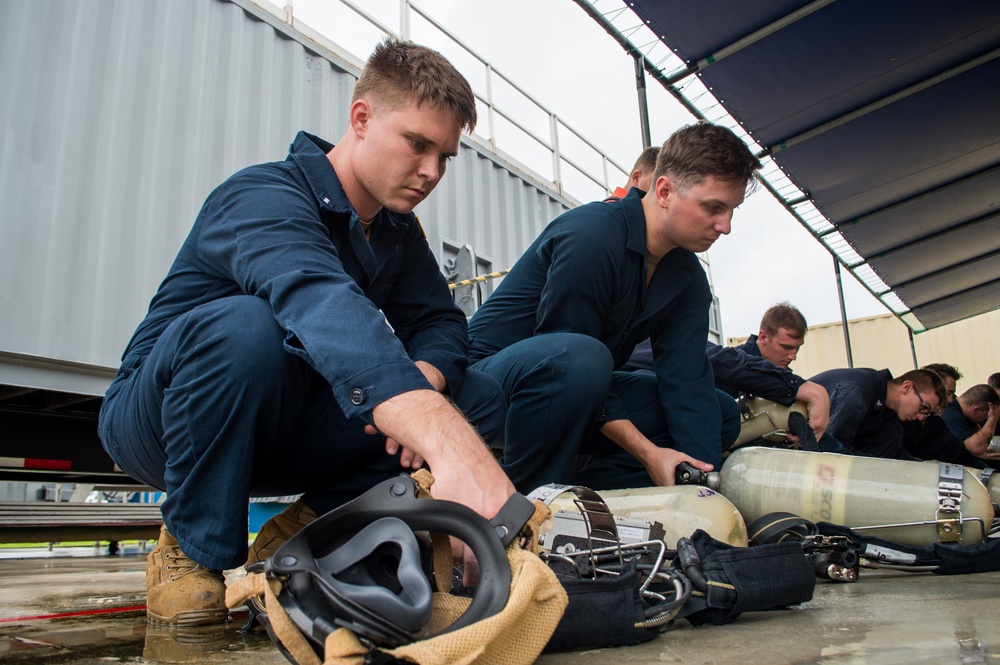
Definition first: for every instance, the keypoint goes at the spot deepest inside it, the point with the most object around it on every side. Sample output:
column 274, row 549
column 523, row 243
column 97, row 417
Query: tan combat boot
column 180, row 592
column 278, row 529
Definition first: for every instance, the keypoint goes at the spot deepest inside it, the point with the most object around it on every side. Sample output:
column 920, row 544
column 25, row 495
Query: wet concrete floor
column 87, row 610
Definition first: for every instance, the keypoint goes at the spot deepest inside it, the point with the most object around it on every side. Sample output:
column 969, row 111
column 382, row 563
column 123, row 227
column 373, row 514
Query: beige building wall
column 972, row 345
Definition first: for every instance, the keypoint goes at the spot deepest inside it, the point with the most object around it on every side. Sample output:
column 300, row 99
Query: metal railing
column 606, row 176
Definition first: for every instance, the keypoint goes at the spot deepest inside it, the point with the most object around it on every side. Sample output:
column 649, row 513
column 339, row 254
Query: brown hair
column 398, row 73
column 944, row 370
column 696, row 151
column 994, row 380
column 926, row 381
column 647, row 160
column 981, row 395
column 784, row 315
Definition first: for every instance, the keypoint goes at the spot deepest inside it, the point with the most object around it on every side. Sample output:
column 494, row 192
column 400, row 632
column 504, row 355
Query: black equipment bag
column 740, row 579
column 724, row 581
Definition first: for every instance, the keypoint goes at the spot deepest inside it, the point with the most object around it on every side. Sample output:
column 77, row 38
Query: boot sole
column 191, row 618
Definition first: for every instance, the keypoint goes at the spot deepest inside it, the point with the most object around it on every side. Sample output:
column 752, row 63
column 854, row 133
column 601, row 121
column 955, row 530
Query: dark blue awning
column 885, row 116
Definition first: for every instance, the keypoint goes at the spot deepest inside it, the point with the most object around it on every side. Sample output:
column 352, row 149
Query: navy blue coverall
column 277, row 330
column 859, row 418
column 736, row 370
column 566, row 317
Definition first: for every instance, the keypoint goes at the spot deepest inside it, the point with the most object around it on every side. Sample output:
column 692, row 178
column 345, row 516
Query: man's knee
column 576, row 366
column 565, row 367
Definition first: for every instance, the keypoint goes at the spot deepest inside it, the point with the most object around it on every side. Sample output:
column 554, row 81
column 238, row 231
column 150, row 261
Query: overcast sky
column 556, row 53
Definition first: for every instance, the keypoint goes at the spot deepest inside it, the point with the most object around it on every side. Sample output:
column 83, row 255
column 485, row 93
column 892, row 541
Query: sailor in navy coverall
column 568, row 316
column 862, row 416
column 278, row 330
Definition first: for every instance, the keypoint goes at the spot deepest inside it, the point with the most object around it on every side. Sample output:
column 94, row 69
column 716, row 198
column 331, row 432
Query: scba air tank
column 860, row 492
column 681, row 510
column 991, row 479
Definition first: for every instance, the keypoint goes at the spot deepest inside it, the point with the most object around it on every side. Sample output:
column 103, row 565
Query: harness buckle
column 949, row 512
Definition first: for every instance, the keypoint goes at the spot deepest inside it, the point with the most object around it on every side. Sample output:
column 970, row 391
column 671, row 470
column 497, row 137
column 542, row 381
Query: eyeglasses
column 924, row 409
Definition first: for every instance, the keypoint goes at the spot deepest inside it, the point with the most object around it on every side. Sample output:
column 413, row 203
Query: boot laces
column 180, row 562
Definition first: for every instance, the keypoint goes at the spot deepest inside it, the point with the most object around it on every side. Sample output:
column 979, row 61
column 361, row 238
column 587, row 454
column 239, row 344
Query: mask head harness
column 367, row 566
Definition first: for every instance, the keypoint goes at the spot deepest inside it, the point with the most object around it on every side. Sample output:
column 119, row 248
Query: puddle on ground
column 130, row 639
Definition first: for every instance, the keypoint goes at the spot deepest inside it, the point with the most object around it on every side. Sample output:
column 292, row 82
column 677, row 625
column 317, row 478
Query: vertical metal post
column 404, row 20
column 640, row 87
column 489, row 107
column 913, row 348
column 289, row 12
column 843, row 312
column 556, row 157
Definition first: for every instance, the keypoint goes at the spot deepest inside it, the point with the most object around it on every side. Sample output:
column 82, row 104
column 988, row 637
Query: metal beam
column 843, row 312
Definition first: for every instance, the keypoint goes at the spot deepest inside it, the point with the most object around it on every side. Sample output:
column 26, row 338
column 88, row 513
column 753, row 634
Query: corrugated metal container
column 120, row 116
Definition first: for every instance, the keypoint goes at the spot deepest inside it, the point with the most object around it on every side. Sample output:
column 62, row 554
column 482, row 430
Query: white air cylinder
column 681, row 510
column 853, row 491
column 764, row 419
column 991, row 479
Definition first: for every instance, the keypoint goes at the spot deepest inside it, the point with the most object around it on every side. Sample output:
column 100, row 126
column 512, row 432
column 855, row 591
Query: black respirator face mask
column 368, row 565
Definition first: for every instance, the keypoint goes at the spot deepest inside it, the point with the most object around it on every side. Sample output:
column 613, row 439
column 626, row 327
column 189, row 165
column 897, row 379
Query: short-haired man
column 735, row 371
column 972, row 417
column 949, row 375
column 642, row 174
column 929, row 438
column 782, row 333
column 305, row 310
column 867, row 405
column 597, row 280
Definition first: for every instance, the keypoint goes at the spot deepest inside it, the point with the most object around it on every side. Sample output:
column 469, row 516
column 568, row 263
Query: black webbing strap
column 779, row 527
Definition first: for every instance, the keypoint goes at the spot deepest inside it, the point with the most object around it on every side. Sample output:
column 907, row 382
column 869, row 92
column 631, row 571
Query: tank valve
column 832, row 557
column 687, row 474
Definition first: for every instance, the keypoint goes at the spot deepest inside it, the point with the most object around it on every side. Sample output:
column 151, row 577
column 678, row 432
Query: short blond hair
column 399, row 73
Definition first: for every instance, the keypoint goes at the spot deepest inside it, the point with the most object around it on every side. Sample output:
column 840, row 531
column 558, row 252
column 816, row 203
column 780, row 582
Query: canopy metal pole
column 843, row 312
column 913, row 347
column 640, row 87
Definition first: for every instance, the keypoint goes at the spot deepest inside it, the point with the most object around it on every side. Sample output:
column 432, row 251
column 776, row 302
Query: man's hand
column 427, row 425
column 662, row 465
column 407, row 459
column 991, row 419
column 817, row 402
column 978, row 444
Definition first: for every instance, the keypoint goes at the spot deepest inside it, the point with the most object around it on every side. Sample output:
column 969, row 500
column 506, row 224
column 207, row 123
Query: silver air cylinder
column 913, row 503
column 681, row 510
column 991, row 479
column 764, row 419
